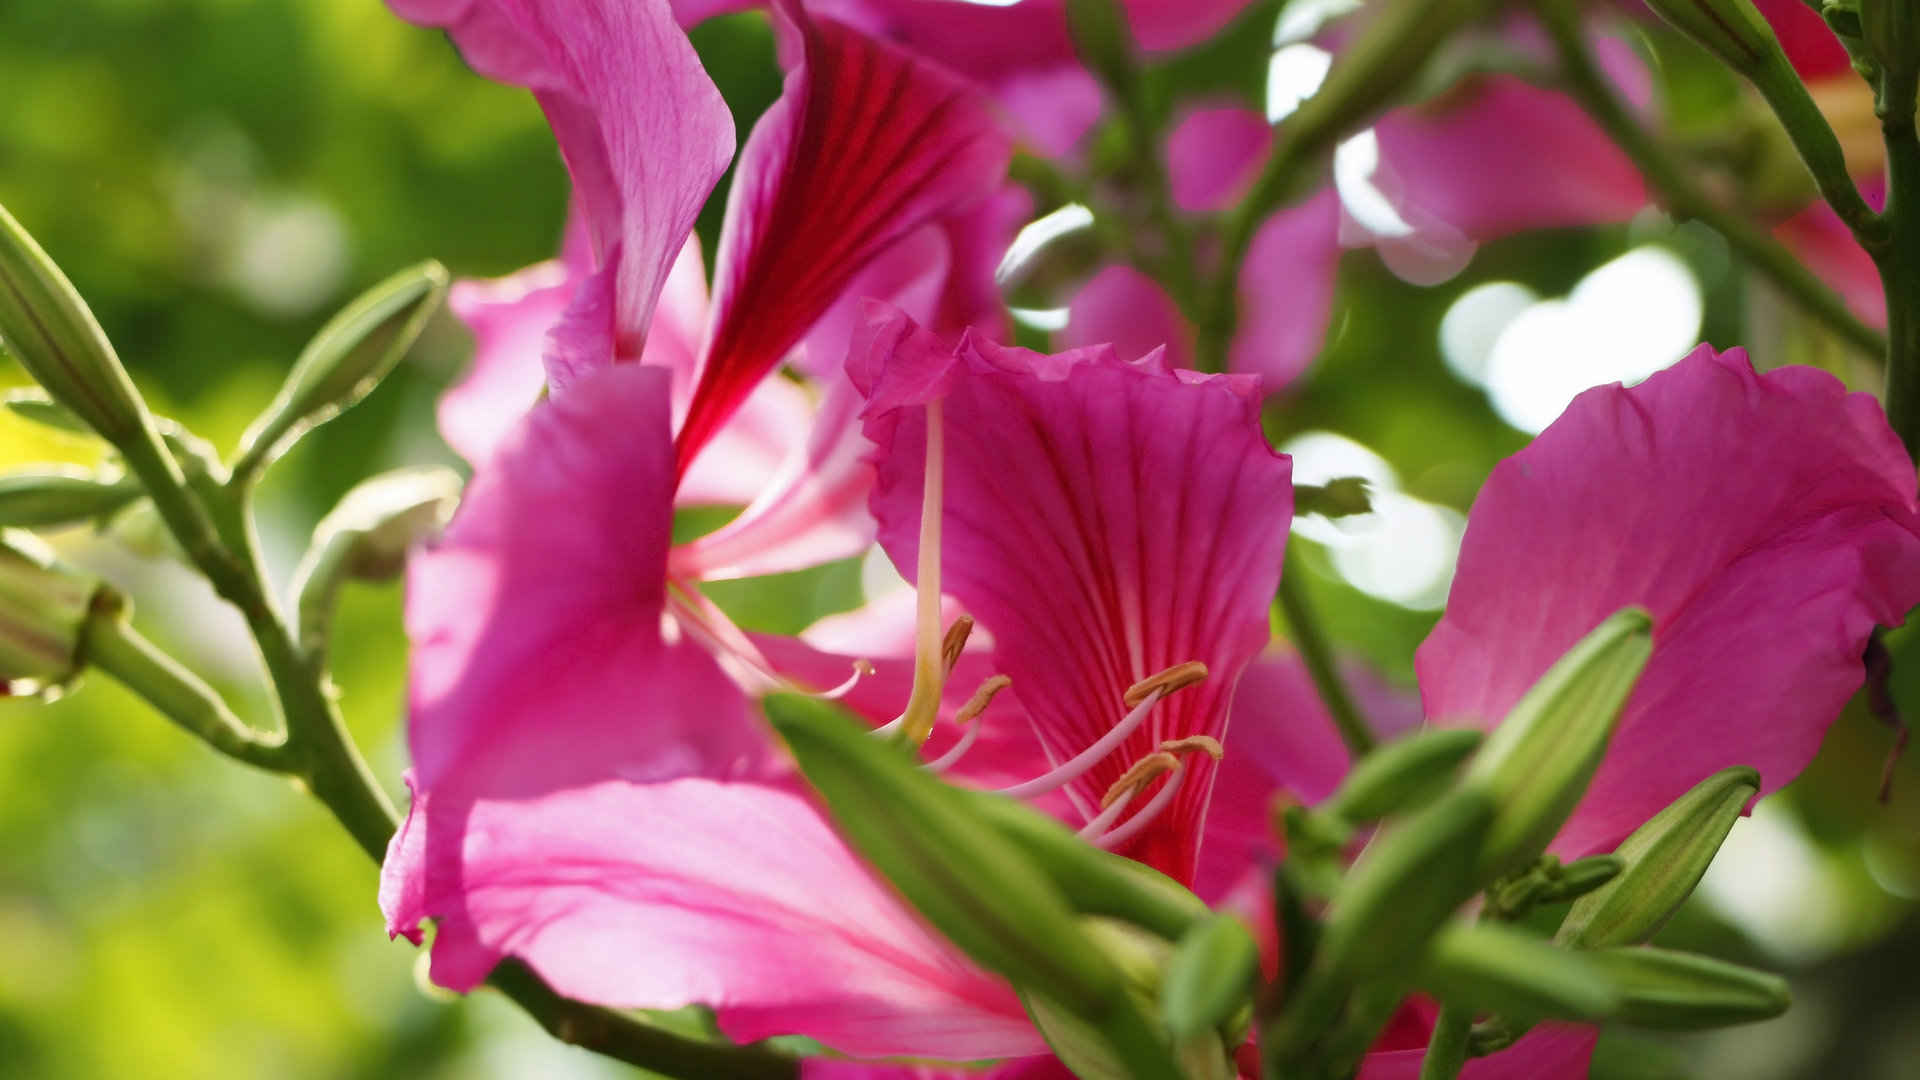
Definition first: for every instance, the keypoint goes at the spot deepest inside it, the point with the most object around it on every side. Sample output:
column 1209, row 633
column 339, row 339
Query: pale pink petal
column 1106, row 520
column 1122, row 307
column 812, row 511
column 644, row 132
column 1767, row 521
column 867, row 144
column 772, row 427
column 510, row 318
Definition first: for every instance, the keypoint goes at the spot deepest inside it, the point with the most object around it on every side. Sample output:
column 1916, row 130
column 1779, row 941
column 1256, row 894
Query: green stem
column 1590, row 87
column 1447, row 1050
column 1900, row 262
column 1370, row 76
column 113, row 646
column 1317, row 654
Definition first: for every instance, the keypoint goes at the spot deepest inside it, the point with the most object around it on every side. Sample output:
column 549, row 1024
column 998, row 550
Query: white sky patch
column 1474, row 323
column 1051, row 320
column 1771, row 882
column 1293, row 75
column 1356, row 164
column 1302, row 19
column 1623, row 322
column 1404, row 551
column 1036, row 235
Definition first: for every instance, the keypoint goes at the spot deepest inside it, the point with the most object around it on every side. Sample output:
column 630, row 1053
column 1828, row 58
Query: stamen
column 955, row 642
column 923, row 704
column 1174, row 678
column 1088, row 758
column 861, row 669
column 1140, row 774
column 1104, row 820
column 1205, row 743
column 975, row 705
column 1146, row 815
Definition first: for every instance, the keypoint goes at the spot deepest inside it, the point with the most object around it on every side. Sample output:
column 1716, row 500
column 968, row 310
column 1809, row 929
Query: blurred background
column 217, row 176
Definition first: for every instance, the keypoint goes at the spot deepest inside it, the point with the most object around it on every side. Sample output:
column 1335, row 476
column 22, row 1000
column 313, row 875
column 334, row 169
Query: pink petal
column 644, row 132
column 736, row 895
column 1213, row 155
column 867, row 144
column 1286, row 292
column 1550, row 1050
column 1106, row 520
column 1767, row 521
column 1810, row 45
column 1827, row 246
column 772, row 428
column 1128, row 310
column 510, row 318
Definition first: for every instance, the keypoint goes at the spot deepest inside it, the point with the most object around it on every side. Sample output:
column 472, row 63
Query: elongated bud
column 1093, row 881
column 39, row 500
column 44, row 609
column 973, row 885
column 1491, row 968
column 1677, row 991
column 1209, row 977
column 348, row 358
column 47, row 327
column 1405, row 885
column 1549, row 882
column 33, row 405
column 1665, row 859
column 367, row 538
column 1890, row 33
column 1402, row 774
column 1733, row 30
column 1538, row 762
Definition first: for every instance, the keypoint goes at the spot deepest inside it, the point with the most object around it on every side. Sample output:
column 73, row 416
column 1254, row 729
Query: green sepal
column 1209, row 977
column 33, row 405
column 1665, row 858
column 1404, row 886
column 977, row 888
column 1732, row 30
column 61, row 496
column 346, row 360
column 44, row 608
column 1548, row 881
column 1403, row 774
column 1093, row 881
column 1492, row 968
column 52, row 333
column 1536, row 765
column 1679, row 991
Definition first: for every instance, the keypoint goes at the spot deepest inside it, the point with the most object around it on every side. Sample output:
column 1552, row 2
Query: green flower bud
column 39, row 500
column 33, row 405
column 1538, row 762
column 1404, row 886
column 47, row 327
column 44, row 609
column 973, row 885
column 1733, row 30
column 1549, row 882
column 1665, row 859
column 347, row 359
column 1677, row 991
column 1209, row 977
column 1890, row 33
column 1094, row 882
column 1491, row 968
column 367, row 538
column 1402, row 774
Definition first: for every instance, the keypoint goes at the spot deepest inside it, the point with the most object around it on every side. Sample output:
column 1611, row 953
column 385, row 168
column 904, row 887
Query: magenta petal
column 1213, row 155
column 867, row 144
column 752, row 450
column 1767, row 521
column 1105, row 520
column 510, row 318
column 1557, row 1050
column 696, row 891
column 1286, row 292
column 644, row 132
column 1122, row 307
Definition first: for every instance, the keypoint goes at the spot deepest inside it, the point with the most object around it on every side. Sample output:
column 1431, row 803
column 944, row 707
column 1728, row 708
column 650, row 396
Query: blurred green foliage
column 218, row 175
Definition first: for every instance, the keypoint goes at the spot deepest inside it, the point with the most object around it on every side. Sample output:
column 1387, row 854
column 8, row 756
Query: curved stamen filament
column 1138, row 776
column 929, row 674
column 975, row 705
column 1104, row 820
column 1075, row 767
column 861, row 669
column 1147, row 813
